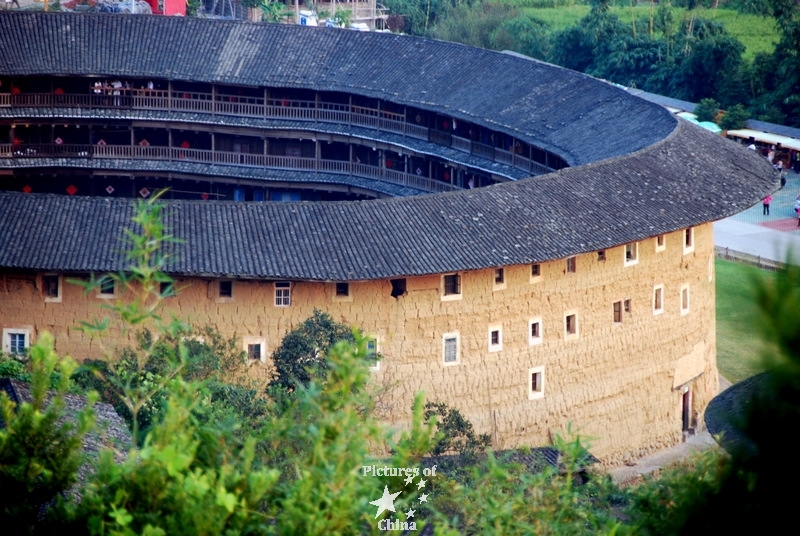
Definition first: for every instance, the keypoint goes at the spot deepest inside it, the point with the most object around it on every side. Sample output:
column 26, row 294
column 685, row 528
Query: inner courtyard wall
column 620, row 384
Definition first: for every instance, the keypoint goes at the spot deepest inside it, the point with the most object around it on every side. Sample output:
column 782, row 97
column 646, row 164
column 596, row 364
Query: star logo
column 422, row 498
column 386, row 502
column 410, row 513
column 409, row 480
column 421, row 484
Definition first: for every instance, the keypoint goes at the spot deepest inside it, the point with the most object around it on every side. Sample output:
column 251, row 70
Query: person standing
column 767, row 201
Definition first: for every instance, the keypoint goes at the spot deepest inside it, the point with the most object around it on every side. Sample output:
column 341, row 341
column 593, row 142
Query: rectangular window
column 167, row 289
column 661, row 243
column 658, row 299
column 254, row 352
column 601, row 255
column 108, row 287
column 398, row 287
column 16, row 341
column 627, row 306
column 534, row 331
column 688, row 240
column 451, row 285
column 450, row 348
column 631, row 253
column 499, row 276
column 342, row 290
column 572, row 265
column 372, row 353
column 226, row 289
column 571, row 324
column 535, row 383
column 617, row 312
column 684, row 299
column 495, row 338
column 536, row 270
column 283, row 294
column 51, row 285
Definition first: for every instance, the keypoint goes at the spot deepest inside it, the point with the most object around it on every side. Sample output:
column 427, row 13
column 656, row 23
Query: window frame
column 498, row 346
column 663, row 246
column 601, row 255
column 59, row 288
column 282, row 296
column 688, row 240
column 618, row 310
column 101, row 289
column 534, row 340
column 631, row 254
column 572, row 265
column 252, row 340
column 454, row 335
column 499, row 279
column 342, row 286
column 448, row 296
column 8, row 332
column 658, row 295
column 575, row 333
column 376, row 365
column 223, row 297
column 538, row 392
column 536, row 272
column 685, row 299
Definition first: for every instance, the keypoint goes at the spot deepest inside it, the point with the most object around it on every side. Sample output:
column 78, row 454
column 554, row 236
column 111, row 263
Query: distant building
column 582, row 295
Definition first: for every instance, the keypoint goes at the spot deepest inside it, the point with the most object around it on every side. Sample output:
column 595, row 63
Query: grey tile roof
column 688, row 178
column 558, row 110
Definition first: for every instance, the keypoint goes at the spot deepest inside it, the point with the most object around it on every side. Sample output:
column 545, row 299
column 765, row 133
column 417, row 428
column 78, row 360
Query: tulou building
column 526, row 243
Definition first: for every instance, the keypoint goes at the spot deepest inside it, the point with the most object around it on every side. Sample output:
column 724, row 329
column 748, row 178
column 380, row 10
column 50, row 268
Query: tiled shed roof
column 562, row 111
column 691, row 177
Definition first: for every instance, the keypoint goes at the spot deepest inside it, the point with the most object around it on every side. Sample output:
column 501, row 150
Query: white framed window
column 51, row 288
column 535, row 331
column 495, row 338
column 658, row 299
column 283, row 294
column 631, row 254
column 499, row 282
column 571, row 325
column 661, row 243
column 372, row 351
column 451, row 352
column 684, row 299
column 256, row 348
column 536, row 272
column 108, row 288
column 535, row 382
column 572, row 265
column 16, row 340
column 688, row 240
column 451, row 287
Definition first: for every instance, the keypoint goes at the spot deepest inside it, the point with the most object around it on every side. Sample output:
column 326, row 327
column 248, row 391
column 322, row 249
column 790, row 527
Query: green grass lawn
column 757, row 34
column 739, row 347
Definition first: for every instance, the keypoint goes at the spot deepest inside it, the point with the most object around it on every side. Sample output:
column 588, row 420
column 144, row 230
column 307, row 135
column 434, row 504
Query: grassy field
column 738, row 346
column 757, row 34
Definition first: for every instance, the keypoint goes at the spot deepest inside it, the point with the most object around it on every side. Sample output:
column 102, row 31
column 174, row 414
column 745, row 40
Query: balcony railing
column 254, row 107
column 179, row 154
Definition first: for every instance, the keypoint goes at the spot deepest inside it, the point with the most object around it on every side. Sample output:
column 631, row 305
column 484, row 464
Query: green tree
column 455, row 433
column 707, row 110
column 735, row 117
column 301, row 354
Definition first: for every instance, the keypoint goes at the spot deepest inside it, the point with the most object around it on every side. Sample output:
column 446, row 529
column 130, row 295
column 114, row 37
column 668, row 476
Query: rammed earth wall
column 620, row 384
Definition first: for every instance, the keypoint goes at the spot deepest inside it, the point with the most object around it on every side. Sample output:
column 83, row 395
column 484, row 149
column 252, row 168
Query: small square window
column 451, row 286
column 254, row 351
column 601, row 255
column 450, row 348
column 631, row 253
column 16, row 341
column 283, row 294
column 534, row 331
column 226, row 289
column 627, row 306
column 658, row 299
column 51, row 287
column 342, row 290
column 571, row 325
column 535, row 383
column 499, row 276
column 167, row 289
column 108, row 287
column 536, row 270
column 688, row 240
column 398, row 287
column 617, row 312
column 685, row 299
column 661, row 243
column 495, row 338
column 572, row 265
